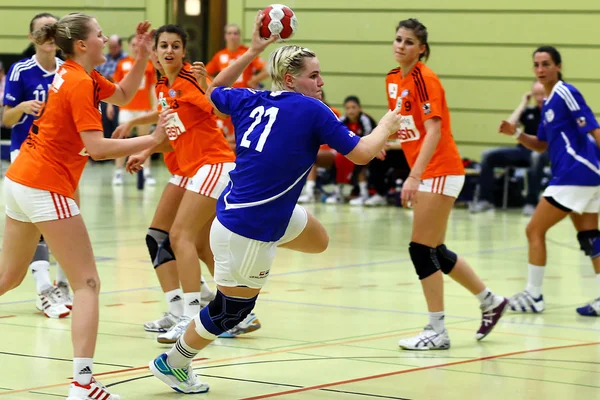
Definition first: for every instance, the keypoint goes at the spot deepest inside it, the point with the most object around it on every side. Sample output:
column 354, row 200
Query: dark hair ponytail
column 420, row 32
column 554, row 55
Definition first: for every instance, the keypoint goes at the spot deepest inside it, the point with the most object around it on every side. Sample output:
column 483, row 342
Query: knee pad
column 589, row 242
column 446, row 258
column 159, row 247
column 424, row 259
column 41, row 251
column 222, row 314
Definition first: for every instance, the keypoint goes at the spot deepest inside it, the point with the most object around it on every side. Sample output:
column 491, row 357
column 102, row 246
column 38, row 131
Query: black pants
column 378, row 171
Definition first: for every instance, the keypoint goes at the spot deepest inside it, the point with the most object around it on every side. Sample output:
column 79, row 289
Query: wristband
column 518, row 133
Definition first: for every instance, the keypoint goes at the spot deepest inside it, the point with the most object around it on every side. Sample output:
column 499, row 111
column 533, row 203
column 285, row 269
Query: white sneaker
column 307, row 198
column 427, row 340
column 50, row 302
column 333, row 199
column 95, row 390
column 162, row 324
column 249, row 324
column 376, row 200
column 524, row 302
column 117, row 179
column 528, row 209
column 359, row 201
column 149, row 180
column 480, row 206
column 182, row 380
column 171, row 336
column 590, row 310
column 65, row 293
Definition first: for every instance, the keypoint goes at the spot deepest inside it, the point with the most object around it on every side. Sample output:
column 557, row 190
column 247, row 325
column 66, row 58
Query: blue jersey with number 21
column 277, row 136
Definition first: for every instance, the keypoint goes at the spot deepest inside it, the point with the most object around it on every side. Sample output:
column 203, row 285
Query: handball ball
column 279, row 20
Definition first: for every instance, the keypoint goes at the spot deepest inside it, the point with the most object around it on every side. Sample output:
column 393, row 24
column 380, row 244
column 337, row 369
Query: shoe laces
column 53, row 294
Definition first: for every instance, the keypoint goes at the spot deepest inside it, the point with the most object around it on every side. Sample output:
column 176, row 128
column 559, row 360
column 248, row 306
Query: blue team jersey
column 278, row 135
column 26, row 80
column 566, row 121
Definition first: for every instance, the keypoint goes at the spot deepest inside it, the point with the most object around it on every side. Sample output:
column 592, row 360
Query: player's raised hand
column 144, row 39
column 392, row 120
column 507, row 128
column 259, row 44
column 199, row 71
column 123, row 131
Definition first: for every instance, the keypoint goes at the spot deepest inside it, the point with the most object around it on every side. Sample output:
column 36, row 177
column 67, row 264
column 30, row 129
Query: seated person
column 519, row 156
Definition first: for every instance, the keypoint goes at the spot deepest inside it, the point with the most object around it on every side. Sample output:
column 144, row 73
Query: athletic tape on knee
column 424, row 259
column 41, row 252
column 222, row 314
column 446, row 258
column 589, row 242
column 159, row 247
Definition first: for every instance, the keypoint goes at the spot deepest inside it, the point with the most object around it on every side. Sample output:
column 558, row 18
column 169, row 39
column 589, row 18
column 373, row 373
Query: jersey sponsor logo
column 427, row 108
column 58, row 80
column 175, row 127
column 393, row 90
column 404, row 93
column 261, row 275
column 224, row 58
column 549, row 115
column 10, row 97
column 581, row 122
column 408, row 130
column 172, row 93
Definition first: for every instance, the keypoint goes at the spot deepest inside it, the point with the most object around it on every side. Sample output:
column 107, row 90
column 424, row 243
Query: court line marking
column 405, row 371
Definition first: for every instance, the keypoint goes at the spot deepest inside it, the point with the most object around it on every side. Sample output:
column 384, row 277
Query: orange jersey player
column 435, row 181
column 40, row 185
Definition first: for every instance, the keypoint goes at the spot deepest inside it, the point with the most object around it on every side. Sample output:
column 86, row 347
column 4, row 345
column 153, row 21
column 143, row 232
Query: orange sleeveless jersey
column 193, row 131
column 423, row 97
column 223, row 58
column 141, row 100
column 53, row 155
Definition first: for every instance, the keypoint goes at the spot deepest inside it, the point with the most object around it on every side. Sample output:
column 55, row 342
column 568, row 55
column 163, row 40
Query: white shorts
column 128, row 115
column 27, row 204
column 179, row 180
column 13, row 155
column 240, row 261
column 450, row 185
column 580, row 199
column 211, row 180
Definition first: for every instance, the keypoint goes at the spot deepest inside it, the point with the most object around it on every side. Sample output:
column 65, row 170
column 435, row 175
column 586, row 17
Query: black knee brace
column 589, row 242
column 446, row 258
column 159, row 247
column 222, row 314
column 424, row 259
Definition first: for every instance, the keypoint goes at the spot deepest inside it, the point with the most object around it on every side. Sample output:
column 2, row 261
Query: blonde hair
column 287, row 60
column 65, row 32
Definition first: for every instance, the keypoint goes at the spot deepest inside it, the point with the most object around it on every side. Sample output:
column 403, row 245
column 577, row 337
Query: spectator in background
column 250, row 78
column 346, row 171
column 110, row 113
column 529, row 117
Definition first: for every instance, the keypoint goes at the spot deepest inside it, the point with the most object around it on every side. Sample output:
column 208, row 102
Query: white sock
column 535, row 279
column 60, row 275
column 181, row 354
column 175, row 301
column 119, row 171
column 205, row 291
column 310, row 187
column 41, row 274
column 147, row 172
column 486, row 297
column 436, row 320
column 191, row 304
column 364, row 189
column 82, row 370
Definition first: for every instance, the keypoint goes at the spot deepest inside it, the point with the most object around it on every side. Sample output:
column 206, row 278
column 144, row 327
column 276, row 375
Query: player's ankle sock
column 191, row 304
column 181, row 354
column 310, row 187
column 82, row 370
column 60, row 275
column 175, row 301
column 436, row 320
column 364, row 189
column 535, row 279
column 41, row 274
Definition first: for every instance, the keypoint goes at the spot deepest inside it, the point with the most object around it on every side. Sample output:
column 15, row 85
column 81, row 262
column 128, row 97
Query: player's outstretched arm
column 530, row 141
column 371, row 145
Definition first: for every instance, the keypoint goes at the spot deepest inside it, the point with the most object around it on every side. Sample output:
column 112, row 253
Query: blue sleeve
column 541, row 134
column 13, row 90
column 227, row 99
column 334, row 133
column 580, row 111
